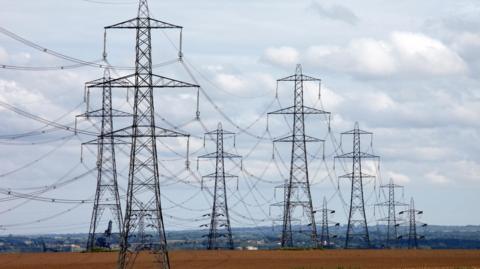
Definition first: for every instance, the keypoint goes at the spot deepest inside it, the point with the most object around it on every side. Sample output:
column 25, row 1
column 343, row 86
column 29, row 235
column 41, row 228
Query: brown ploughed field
column 313, row 259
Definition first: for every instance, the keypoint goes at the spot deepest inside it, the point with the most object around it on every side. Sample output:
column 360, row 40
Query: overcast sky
column 405, row 70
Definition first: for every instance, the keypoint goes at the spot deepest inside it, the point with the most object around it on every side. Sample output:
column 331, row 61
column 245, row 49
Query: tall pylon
column 220, row 231
column 297, row 187
column 325, row 238
column 412, row 213
column 391, row 219
column 357, row 229
column 106, row 194
column 143, row 226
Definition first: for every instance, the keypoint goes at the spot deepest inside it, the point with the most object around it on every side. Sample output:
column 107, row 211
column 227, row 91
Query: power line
column 78, row 62
column 31, row 163
column 45, row 121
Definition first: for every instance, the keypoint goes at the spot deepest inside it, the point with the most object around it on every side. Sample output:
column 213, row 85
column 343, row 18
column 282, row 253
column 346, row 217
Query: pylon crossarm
column 133, row 24
column 126, row 82
column 215, row 132
column 391, row 186
column 299, row 77
column 93, row 82
column 350, row 175
column 362, row 155
column 165, row 82
column 292, row 138
column 99, row 113
column 98, row 141
column 214, row 175
column 214, row 155
column 162, row 132
column 306, row 110
column 159, row 132
column 157, row 24
column 357, row 131
column 121, row 82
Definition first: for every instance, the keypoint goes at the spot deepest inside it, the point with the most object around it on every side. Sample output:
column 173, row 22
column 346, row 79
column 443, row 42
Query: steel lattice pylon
column 413, row 236
column 391, row 219
column 297, row 187
column 143, row 227
column 106, row 194
column 220, row 231
column 325, row 239
column 412, row 231
column 357, row 229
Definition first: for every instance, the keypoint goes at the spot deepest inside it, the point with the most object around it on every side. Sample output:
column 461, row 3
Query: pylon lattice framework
column 297, row 187
column 325, row 237
column 357, row 227
column 106, row 194
column 143, row 223
column 413, row 236
column 391, row 218
column 220, row 232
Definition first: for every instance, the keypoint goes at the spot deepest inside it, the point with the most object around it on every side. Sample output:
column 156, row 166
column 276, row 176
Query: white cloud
column 398, row 178
column 230, row 82
column 330, row 99
column 284, row 56
column 12, row 93
column 402, row 52
column 437, row 178
column 420, row 53
column 250, row 84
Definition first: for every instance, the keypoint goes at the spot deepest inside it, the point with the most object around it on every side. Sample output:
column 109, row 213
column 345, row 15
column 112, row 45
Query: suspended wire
column 15, row 225
column 29, row 164
column 42, row 130
column 44, row 189
column 58, row 183
column 45, row 121
column 78, row 62
column 181, row 204
column 223, row 114
column 43, row 142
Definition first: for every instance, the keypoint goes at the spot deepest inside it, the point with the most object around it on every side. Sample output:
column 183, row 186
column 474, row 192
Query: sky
column 405, row 70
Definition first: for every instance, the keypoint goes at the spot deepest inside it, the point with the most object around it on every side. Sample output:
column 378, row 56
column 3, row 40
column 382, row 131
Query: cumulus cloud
column 437, row 178
column 398, row 178
column 283, row 56
column 12, row 93
column 230, row 82
column 335, row 12
column 245, row 84
column 401, row 53
column 420, row 53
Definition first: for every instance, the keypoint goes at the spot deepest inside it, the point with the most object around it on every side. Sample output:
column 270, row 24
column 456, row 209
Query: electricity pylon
column 220, row 231
column 297, row 187
column 357, row 229
column 412, row 213
column 143, row 226
column 106, row 194
column 391, row 219
column 325, row 233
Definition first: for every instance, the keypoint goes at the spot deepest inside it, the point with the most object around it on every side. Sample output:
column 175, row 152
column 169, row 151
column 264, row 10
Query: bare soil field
column 314, row 259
